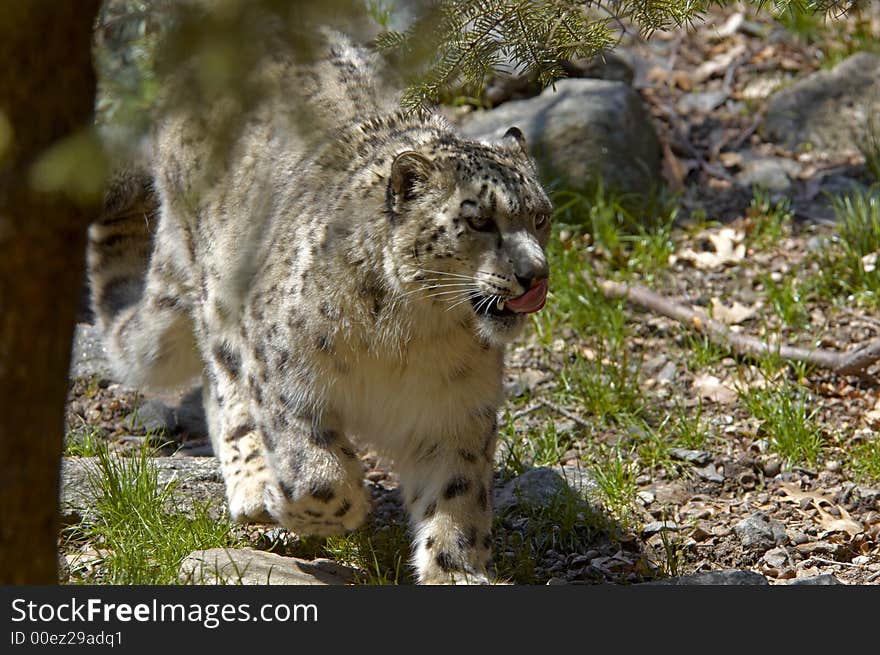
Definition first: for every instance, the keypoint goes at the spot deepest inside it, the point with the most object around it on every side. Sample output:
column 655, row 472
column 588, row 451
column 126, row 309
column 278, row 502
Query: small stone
column 658, row 526
column 816, row 580
column 666, row 375
column 700, row 534
column 833, row 466
column 772, row 467
column 646, row 497
column 709, row 473
column 760, row 532
column 698, row 457
column 776, row 557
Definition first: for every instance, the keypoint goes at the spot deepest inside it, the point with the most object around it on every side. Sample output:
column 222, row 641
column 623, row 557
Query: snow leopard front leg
column 317, row 485
column 448, row 489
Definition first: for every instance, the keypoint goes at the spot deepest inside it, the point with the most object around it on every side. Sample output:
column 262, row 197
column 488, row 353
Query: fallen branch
column 566, row 413
column 848, row 363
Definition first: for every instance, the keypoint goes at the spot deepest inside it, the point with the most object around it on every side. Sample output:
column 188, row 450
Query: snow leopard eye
column 541, row 221
column 481, row 223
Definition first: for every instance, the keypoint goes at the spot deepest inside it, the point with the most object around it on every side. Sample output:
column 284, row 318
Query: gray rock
column 777, row 557
column 197, row 481
column 709, row 473
column 771, row 173
column 699, row 457
column 729, row 577
column 88, row 357
column 583, row 130
column 829, row 109
column 247, row 566
column 760, row 532
column 615, row 66
column 541, row 485
column 152, row 417
column 667, row 373
column 659, row 526
column 816, row 580
column 190, row 414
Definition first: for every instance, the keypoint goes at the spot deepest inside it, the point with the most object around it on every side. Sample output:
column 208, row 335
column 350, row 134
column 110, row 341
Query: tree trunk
column 47, row 89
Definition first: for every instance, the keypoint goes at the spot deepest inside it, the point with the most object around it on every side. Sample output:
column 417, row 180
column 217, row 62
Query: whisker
column 462, row 300
column 458, row 275
column 431, row 287
column 447, row 293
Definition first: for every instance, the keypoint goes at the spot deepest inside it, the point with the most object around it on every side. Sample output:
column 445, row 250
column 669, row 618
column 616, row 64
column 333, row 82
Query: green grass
column 686, row 431
column 615, row 475
column 865, row 460
column 606, row 387
column 870, row 148
column 380, row 553
column 83, row 441
column 835, row 39
column 701, row 351
column 633, row 235
column 770, row 219
column 524, row 534
column 843, row 272
column 786, row 300
column 139, row 539
column 788, row 421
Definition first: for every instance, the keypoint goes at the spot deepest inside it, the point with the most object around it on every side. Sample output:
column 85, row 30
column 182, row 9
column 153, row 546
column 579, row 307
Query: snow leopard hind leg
column 140, row 291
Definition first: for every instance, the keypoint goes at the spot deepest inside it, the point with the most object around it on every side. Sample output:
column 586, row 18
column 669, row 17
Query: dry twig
column 853, row 362
column 566, row 413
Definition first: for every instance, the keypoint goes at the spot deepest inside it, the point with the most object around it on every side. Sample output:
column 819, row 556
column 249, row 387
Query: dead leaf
column 827, row 520
column 831, row 523
column 728, row 245
column 714, row 390
column 733, row 315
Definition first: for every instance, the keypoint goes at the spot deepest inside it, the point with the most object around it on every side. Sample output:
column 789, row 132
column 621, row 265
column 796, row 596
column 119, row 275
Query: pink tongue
column 531, row 301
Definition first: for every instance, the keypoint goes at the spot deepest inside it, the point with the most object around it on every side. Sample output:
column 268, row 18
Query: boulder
column 197, row 480
column 247, row 566
column 736, row 577
column 830, row 109
column 541, row 485
column 580, row 132
column 89, row 356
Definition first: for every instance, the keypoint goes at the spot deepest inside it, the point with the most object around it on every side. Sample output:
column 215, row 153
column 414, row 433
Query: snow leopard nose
column 532, row 273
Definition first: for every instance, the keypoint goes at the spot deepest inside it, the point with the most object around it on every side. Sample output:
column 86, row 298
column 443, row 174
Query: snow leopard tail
column 119, row 245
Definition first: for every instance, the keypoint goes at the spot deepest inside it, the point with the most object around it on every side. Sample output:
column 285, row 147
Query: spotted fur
column 331, row 290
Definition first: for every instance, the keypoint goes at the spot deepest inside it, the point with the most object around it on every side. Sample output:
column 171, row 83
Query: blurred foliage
column 431, row 45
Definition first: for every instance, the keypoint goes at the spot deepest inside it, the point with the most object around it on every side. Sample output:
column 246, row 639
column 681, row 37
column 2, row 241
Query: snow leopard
column 340, row 274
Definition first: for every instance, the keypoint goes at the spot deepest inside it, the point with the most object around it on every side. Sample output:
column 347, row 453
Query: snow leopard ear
column 516, row 139
column 409, row 168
